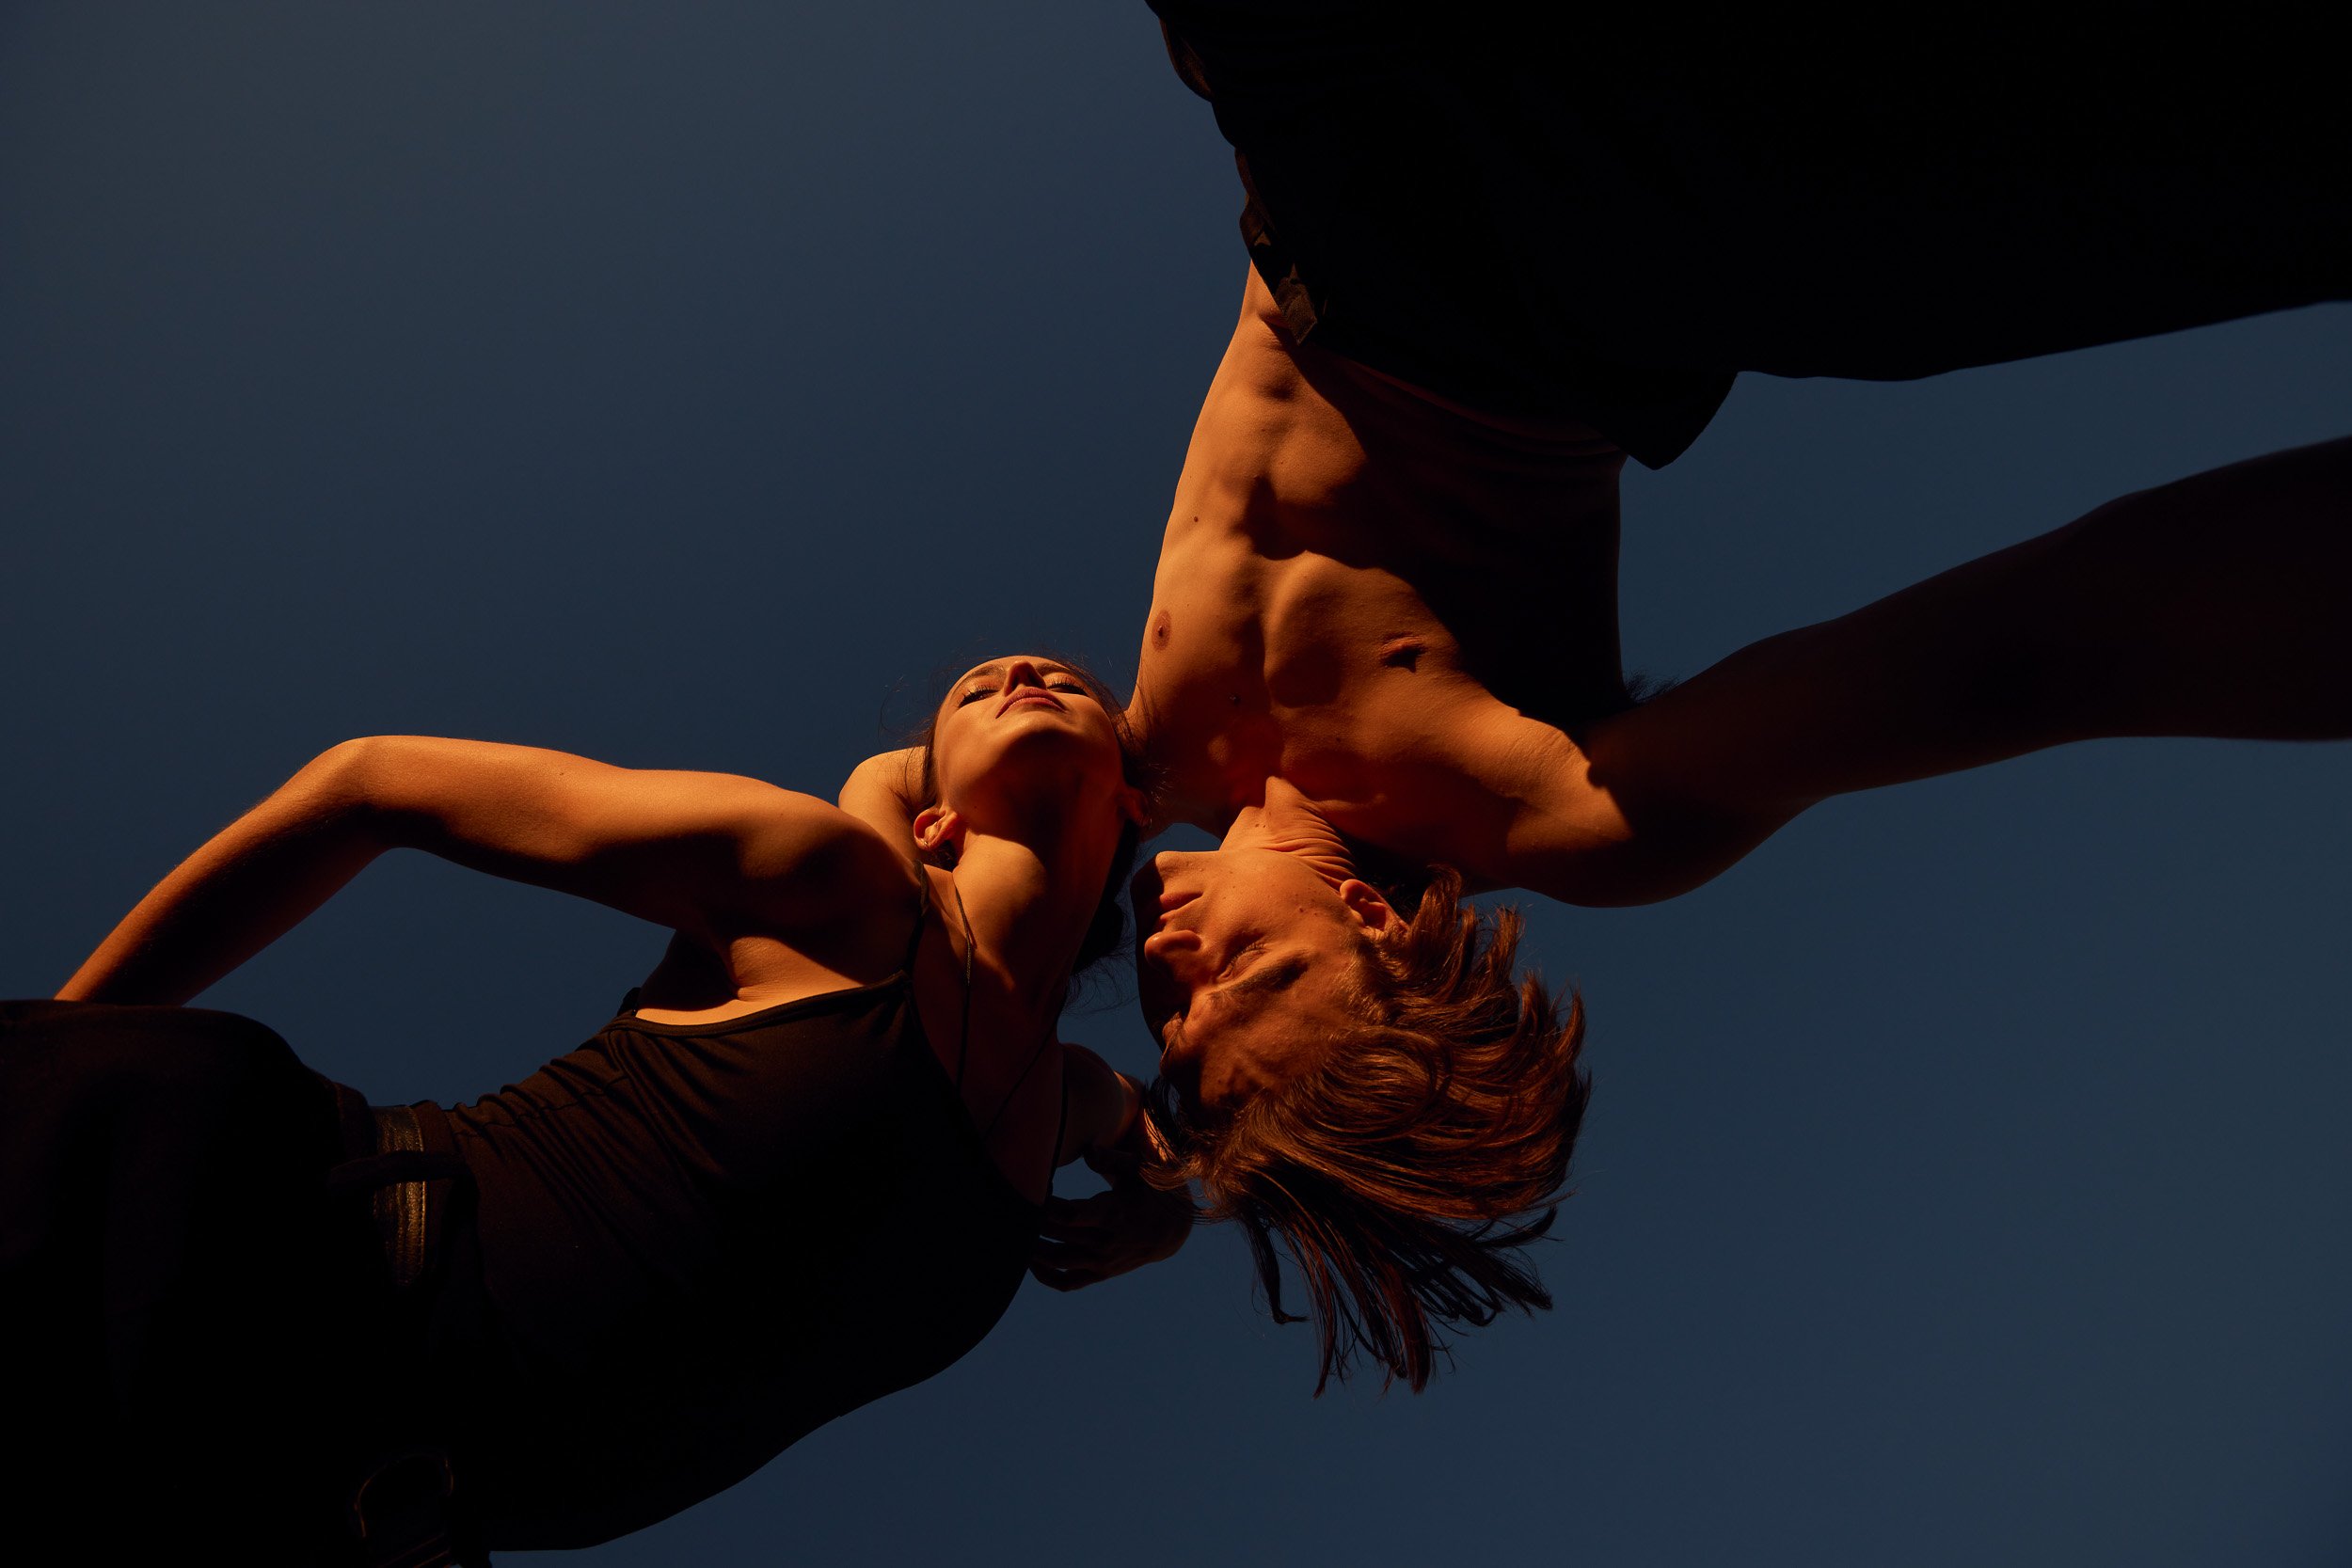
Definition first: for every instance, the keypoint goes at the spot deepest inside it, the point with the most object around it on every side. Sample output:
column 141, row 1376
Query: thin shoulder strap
column 964, row 1051
column 963, row 1035
column 1035, row 1057
column 1061, row 1128
column 922, row 915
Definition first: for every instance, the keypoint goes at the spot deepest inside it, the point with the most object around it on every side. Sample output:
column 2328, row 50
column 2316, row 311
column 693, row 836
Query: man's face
column 1245, row 964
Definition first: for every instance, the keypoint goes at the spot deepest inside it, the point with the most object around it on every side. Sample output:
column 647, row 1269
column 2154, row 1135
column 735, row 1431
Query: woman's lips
column 1027, row 697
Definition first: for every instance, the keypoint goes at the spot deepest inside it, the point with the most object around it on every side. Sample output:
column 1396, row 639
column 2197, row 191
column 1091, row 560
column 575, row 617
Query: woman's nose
column 1022, row 672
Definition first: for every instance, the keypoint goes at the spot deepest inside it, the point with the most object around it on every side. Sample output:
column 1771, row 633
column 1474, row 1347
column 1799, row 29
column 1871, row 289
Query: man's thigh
column 1529, row 198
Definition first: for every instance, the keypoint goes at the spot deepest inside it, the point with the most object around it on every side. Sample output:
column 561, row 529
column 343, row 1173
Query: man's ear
column 935, row 826
column 1371, row 910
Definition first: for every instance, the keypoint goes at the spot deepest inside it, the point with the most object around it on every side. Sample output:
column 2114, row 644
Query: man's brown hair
column 1404, row 1174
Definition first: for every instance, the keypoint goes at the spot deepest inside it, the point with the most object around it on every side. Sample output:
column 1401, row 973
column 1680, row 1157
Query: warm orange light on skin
column 1246, row 954
column 1005, row 718
column 1348, row 566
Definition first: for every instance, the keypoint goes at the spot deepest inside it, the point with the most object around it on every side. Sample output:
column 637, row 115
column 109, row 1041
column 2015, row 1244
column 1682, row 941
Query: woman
column 802, row 1169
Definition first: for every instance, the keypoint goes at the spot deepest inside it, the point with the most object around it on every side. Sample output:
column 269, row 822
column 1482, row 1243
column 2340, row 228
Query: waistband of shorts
column 406, row 1160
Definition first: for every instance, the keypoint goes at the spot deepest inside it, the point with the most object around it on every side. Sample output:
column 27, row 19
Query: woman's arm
column 698, row 852
column 882, row 792
column 1089, row 1240
column 2214, row 606
column 252, row 883
column 1102, row 1107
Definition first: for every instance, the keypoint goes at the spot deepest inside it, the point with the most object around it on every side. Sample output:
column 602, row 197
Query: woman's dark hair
column 1110, row 928
column 1406, row 1172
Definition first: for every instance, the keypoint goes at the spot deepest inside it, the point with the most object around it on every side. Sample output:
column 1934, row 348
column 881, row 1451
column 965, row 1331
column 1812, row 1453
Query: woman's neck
column 1030, row 906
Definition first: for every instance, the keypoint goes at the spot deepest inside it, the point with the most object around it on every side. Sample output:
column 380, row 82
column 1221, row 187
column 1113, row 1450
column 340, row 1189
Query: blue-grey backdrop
column 689, row 386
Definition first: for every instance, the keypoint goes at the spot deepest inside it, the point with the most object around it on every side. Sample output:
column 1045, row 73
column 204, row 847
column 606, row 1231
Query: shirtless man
column 1385, row 622
column 1492, row 257
column 1384, row 633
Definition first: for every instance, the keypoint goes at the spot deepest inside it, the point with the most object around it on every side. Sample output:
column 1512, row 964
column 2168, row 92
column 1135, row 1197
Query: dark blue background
column 691, row 385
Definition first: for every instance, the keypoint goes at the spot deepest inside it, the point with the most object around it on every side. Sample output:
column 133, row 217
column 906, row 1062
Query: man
column 1490, row 261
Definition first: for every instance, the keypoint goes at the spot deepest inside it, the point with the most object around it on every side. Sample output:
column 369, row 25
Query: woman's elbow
column 352, row 781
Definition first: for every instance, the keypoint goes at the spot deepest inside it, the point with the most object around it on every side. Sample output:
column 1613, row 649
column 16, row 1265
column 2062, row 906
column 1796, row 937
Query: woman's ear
column 1134, row 805
column 937, row 826
column 1364, row 901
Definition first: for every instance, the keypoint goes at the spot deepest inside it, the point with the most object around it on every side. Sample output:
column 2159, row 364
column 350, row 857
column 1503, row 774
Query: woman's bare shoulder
column 815, row 862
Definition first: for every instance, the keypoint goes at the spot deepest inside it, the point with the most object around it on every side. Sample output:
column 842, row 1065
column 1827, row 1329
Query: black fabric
column 680, row 1249
column 1544, row 210
column 187, row 1303
column 705, row 1241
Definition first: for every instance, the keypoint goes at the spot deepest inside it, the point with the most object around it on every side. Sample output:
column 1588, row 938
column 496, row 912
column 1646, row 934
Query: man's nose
column 1177, row 952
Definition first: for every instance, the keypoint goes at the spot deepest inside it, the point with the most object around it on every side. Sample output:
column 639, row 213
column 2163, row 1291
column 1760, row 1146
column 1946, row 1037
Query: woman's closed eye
column 1053, row 684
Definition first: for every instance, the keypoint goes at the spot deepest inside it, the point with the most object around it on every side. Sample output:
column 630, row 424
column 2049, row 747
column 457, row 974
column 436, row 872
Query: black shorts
column 1602, row 218
column 203, row 1325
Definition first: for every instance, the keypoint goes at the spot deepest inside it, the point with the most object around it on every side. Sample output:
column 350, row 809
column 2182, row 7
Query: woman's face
column 1019, row 740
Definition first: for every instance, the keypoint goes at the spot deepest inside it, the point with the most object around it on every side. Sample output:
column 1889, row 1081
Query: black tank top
column 703, row 1241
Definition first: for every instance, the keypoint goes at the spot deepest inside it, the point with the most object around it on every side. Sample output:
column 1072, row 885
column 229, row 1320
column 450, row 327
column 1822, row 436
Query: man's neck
column 1284, row 819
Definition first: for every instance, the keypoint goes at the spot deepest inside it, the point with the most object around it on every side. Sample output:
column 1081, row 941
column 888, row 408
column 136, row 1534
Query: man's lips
column 1150, row 898
column 1170, row 901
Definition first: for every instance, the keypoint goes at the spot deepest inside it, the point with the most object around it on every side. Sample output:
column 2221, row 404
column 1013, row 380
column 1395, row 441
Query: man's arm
column 2219, row 605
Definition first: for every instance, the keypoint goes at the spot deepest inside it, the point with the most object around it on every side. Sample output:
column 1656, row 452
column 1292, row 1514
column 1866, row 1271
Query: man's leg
column 1756, row 204
column 1590, row 217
